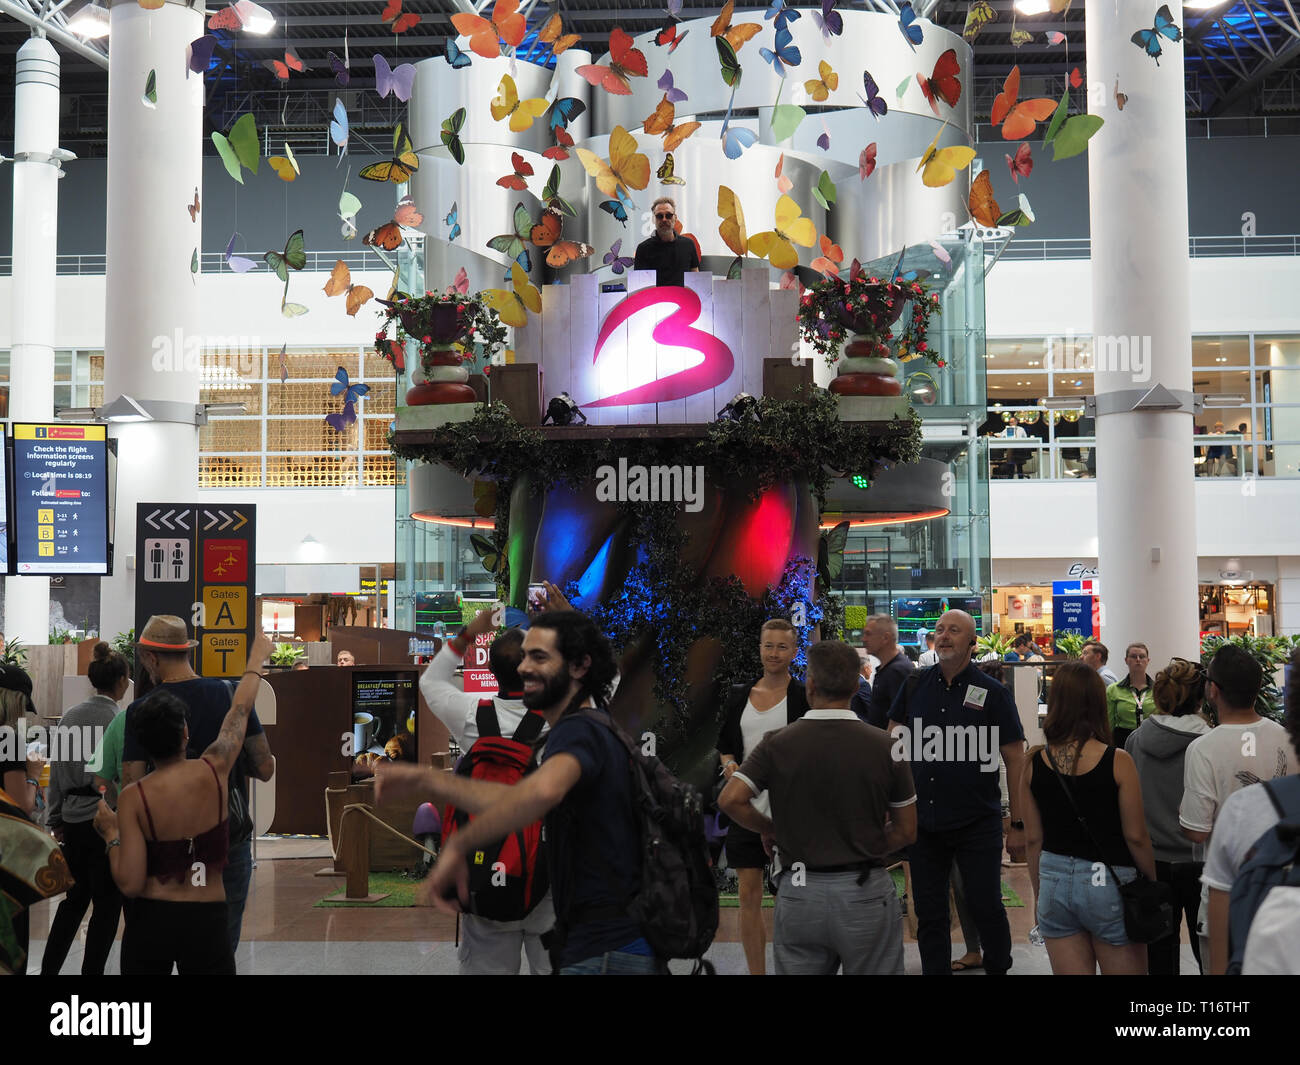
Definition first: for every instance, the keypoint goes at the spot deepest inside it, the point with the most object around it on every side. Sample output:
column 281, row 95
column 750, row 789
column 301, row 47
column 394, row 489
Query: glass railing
column 1074, row 458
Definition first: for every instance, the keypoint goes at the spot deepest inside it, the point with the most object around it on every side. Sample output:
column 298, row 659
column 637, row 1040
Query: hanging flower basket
column 450, row 328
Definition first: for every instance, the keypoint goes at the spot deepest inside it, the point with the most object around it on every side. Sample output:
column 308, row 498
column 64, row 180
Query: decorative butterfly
column 985, row 210
column 339, row 126
column 339, row 68
column 351, row 395
column 284, row 362
column 1076, row 79
column 547, row 234
column 902, row 88
column 235, row 17
column 669, row 36
column 627, row 167
column 735, row 139
column 453, row 220
column 1120, row 98
column 1018, row 120
column 616, row 262
column 732, row 227
column 978, row 15
column 1021, row 164
column 399, row 82
column 195, row 207
column 241, row 148
column 456, row 59
column 512, row 305
column 867, row 161
column 451, row 127
column 559, row 151
column 940, row 165
column 660, row 123
column 782, row 15
column 783, row 183
column 830, row 260
column 294, row 257
column 564, row 111
column 493, row 560
column 830, row 553
column 667, row 173
column 400, row 167
column 943, row 84
column 407, row 214
column 388, row 236
column 150, row 95
column 824, row 141
column 941, row 253
column 830, row 21
column 1019, row 37
column 1055, row 37
column 1069, row 136
column 551, row 194
column 824, row 191
column 785, row 54
column 735, row 36
column 395, row 20
column 619, row 208
column 238, row 263
column 285, row 166
column 281, row 67
column 777, row 244
column 349, row 205
column 515, row 245
column 522, row 113
column 1149, row 40
column 625, row 62
column 198, row 54
column 672, row 94
column 552, row 33
column 523, row 169
column 730, row 65
column 340, row 283
column 826, row 82
column 873, row 100
column 485, row 35
column 907, row 26
column 460, row 283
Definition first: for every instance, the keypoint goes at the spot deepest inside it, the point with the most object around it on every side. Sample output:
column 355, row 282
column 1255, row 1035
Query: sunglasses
column 663, row 217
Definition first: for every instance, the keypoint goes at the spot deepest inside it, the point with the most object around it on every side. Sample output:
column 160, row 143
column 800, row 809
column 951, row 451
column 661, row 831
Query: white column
column 154, row 166
column 35, row 230
column 1137, row 180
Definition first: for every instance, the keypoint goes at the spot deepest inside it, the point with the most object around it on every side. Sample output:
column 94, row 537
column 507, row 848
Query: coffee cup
column 363, row 731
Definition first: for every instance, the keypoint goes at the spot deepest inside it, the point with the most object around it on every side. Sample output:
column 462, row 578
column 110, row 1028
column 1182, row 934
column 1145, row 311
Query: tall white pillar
column 1137, row 180
column 154, row 166
column 35, row 236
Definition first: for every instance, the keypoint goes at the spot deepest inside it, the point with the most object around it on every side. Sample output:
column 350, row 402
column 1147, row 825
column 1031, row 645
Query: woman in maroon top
column 168, row 840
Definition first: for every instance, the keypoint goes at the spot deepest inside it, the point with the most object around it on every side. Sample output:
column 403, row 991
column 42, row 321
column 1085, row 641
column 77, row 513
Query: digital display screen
column 384, row 712
column 60, row 511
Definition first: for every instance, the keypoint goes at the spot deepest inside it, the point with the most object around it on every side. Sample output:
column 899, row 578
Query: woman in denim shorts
column 1080, row 913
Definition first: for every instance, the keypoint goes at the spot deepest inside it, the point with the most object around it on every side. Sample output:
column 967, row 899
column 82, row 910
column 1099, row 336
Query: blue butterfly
column 1164, row 27
column 343, row 387
column 906, row 18
column 783, row 15
column 619, row 208
column 565, row 110
column 736, row 140
column 873, row 100
column 453, row 220
column 456, row 59
column 787, row 52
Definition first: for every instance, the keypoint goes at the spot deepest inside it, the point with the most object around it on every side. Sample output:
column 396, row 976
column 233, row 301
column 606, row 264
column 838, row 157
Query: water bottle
column 1036, row 937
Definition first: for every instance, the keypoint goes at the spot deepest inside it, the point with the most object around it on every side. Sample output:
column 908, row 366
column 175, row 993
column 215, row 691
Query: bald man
column 953, row 723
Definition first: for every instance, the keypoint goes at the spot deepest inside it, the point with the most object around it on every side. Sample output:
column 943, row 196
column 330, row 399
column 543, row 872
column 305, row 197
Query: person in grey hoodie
column 1158, row 747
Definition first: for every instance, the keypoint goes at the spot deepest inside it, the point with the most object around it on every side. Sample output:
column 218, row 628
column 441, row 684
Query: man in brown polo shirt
column 840, row 803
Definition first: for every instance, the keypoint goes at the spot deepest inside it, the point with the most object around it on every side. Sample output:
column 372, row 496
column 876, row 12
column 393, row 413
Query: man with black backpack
column 627, row 853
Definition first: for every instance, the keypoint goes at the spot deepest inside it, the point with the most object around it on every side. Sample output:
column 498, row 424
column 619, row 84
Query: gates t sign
column 199, row 563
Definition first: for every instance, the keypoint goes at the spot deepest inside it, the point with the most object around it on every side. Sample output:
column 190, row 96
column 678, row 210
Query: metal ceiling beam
column 1252, row 81
column 54, row 32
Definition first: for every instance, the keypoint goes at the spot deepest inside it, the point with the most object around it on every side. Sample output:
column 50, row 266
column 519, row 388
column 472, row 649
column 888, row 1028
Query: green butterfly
column 294, row 257
column 824, row 193
column 731, row 70
column 451, row 135
column 241, row 149
column 493, row 560
column 785, row 120
column 551, row 194
column 734, row 270
column 830, row 554
column 515, row 245
column 1069, row 136
column 150, row 97
column 194, row 264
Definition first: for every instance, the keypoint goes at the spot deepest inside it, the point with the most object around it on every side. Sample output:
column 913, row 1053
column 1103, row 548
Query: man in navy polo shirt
column 952, row 723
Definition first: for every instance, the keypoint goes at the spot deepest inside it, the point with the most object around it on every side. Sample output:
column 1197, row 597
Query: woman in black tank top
column 1083, row 818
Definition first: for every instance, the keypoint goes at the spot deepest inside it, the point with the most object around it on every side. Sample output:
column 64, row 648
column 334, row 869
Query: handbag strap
column 1079, row 813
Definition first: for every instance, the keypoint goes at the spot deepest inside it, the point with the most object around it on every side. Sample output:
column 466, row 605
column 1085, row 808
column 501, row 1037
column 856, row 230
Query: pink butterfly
column 1022, row 163
column 1055, row 37
column 867, row 161
column 783, row 183
column 791, row 280
column 461, row 284
column 941, row 253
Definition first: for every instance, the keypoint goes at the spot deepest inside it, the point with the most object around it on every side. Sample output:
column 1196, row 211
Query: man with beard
column 583, row 788
column 669, row 255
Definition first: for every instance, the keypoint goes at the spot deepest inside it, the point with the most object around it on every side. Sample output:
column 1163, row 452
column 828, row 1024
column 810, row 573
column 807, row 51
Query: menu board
column 60, row 498
column 384, row 712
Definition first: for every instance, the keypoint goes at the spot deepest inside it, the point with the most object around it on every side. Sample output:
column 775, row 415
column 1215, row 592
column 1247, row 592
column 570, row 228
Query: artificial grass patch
column 400, row 891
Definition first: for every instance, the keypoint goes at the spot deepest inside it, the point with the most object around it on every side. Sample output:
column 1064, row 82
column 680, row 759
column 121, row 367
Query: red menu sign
column 478, row 678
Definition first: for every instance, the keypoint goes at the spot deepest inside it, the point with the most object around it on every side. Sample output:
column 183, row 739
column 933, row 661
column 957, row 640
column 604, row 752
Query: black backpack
column 676, row 905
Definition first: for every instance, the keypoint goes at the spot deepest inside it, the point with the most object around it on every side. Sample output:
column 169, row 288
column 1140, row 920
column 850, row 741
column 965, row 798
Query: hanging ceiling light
column 91, row 21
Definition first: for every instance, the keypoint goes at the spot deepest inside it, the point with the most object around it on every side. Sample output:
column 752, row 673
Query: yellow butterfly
column 521, row 112
column 285, row 166
column 941, row 164
column 626, row 166
column 732, row 229
column 777, row 245
column 821, row 87
column 513, row 307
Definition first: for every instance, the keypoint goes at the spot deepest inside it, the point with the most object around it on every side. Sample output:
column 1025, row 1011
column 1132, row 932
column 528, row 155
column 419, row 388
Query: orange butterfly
column 560, row 149
column 625, row 62
column 1020, row 118
column 281, row 67
column 523, row 169
column 388, row 236
column 783, row 183
column 943, row 84
column 547, row 233
column 831, row 259
column 400, row 23
column 406, row 213
column 195, row 207
column 661, row 122
column 553, row 34
column 485, row 35
column 735, row 35
column 983, row 207
column 341, row 281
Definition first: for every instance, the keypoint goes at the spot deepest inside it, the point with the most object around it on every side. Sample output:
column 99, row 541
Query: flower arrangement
column 438, row 322
column 866, row 309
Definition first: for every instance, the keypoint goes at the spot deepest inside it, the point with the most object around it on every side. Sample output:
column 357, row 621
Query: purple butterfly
column 830, row 21
column 873, row 100
column 399, row 81
column 340, row 69
column 237, row 263
column 340, row 422
column 824, row 142
column 284, row 363
column 200, row 53
column 674, row 94
column 617, row 262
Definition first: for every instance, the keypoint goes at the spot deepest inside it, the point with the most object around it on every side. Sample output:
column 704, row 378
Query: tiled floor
column 285, row 933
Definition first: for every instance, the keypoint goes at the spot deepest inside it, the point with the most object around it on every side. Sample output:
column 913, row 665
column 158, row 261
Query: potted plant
column 285, row 656
column 1069, row 644
column 1271, row 652
column 124, row 644
column 14, row 654
column 993, row 643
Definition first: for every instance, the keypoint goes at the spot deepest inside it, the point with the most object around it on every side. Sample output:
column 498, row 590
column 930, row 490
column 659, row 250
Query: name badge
column 975, row 697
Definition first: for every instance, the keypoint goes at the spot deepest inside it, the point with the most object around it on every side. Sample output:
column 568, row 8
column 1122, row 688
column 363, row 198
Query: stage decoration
column 869, row 308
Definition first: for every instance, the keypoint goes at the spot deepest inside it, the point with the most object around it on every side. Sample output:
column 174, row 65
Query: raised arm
column 225, row 749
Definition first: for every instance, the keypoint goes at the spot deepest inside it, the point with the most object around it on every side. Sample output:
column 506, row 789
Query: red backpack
column 508, row 878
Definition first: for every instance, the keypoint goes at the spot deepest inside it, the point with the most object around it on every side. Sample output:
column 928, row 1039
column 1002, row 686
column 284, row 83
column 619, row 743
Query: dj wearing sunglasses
column 669, row 257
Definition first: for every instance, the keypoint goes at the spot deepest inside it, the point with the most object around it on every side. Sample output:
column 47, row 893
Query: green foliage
column 1069, row 644
column 14, row 654
column 992, row 643
column 1271, row 652
column 286, row 654
column 124, row 644
column 855, row 618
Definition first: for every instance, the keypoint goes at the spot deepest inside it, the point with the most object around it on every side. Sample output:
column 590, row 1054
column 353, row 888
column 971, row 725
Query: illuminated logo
column 673, row 331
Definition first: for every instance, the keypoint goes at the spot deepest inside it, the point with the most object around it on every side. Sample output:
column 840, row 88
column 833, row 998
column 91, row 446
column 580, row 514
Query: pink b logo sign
column 675, row 330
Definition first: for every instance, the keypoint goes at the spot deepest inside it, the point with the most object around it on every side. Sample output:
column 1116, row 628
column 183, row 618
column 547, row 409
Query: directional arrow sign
column 166, row 522
column 225, row 524
column 212, row 520
column 180, row 520
column 242, row 522
column 150, row 519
